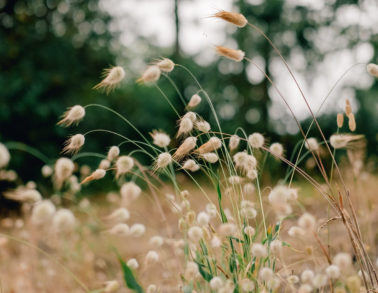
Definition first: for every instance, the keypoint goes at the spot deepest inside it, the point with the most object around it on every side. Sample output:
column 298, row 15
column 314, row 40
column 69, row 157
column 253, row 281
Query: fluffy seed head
column 339, row 141
column 160, row 139
column 293, row 279
column 123, row 165
column 235, row 55
column 4, row 156
column 137, row 230
column 307, row 276
column 62, row 171
column 72, row 116
column 232, row 17
column 186, row 126
column 43, row 212
column 165, row 65
column 191, row 165
column 333, row 272
column 276, row 149
column 296, row 232
column 372, row 69
column 46, row 171
column 259, row 250
column 163, row 160
column 210, row 157
column 111, row 286
column 248, row 189
column 63, row 221
column 351, row 122
column 96, row 175
column 266, row 274
column 320, row 280
column 216, row 283
column 340, row 120
column 156, row 241
column 234, row 180
column 104, row 164
column 312, row 144
column 211, row 145
column 194, row 101
column 256, row 140
column 152, row 257
column 227, row 229
column 307, row 222
column 234, row 142
column 188, row 145
column 133, row 263
column 250, row 231
column 120, row 229
column 247, row 285
column 203, row 218
column 130, row 191
column 113, row 153
column 195, row 234
column 112, row 78
column 342, row 260
column 202, row 126
column 150, row 75
column 74, row 143
column 119, row 215
column 276, row 246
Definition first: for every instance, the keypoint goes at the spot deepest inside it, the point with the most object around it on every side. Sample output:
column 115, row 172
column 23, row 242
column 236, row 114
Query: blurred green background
column 52, row 53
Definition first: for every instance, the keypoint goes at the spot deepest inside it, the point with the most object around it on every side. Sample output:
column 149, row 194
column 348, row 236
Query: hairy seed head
column 188, row 145
column 112, row 77
column 62, row 171
column 235, row 55
column 165, row 65
column 123, row 165
column 160, row 139
column 130, row 191
column 312, row 144
column 234, row 142
column 163, row 160
column 211, row 145
column 186, row 126
column 372, row 69
column 256, row 140
column 190, row 165
column 72, row 116
column 276, row 149
column 339, row 141
column 210, row 157
column 74, row 143
column 150, row 75
column 43, row 212
column 63, row 221
column 120, row 229
column 119, row 215
column 96, row 175
column 113, row 153
column 232, row 17
column 137, row 230
column 194, row 101
column 202, row 126
column 340, row 120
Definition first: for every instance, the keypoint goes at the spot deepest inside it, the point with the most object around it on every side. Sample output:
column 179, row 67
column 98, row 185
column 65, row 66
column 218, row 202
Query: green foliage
column 129, row 278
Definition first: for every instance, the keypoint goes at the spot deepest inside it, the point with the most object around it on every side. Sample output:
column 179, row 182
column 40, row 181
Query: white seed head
column 152, row 257
column 203, row 218
column 137, row 230
column 232, row 54
column 252, row 174
column 211, row 210
column 130, row 191
column 160, row 139
column 194, row 101
column 4, row 156
column 342, row 260
column 74, row 143
column 163, row 160
column 165, row 65
column 63, row 221
column 119, row 215
column 247, row 285
column 186, row 126
column 191, row 165
column 234, row 142
column 112, row 78
column 306, row 288
column 293, row 279
column 104, row 164
column 150, row 75
column 133, row 263
column 96, row 175
column 276, row 149
column 372, row 69
column 227, row 229
column 339, row 141
column 259, row 250
column 266, row 274
column 249, row 189
column 256, row 140
column 156, row 241
column 210, row 157
column 276, row 246
column 333, row 272
column 319, row 281
column 203, row 126
column 249, row 230
column 296, row 232
column 312, row 144
column 62, row 171
column 111, row 286
column 307, row 276
column 72, row 116
column 124, row 164
column 43, row 212
column 216, row 283
column 46, row 171
column 120, row 229
column 195, row 234
column 307, row 222
column 113, row 153
column 235, row 180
